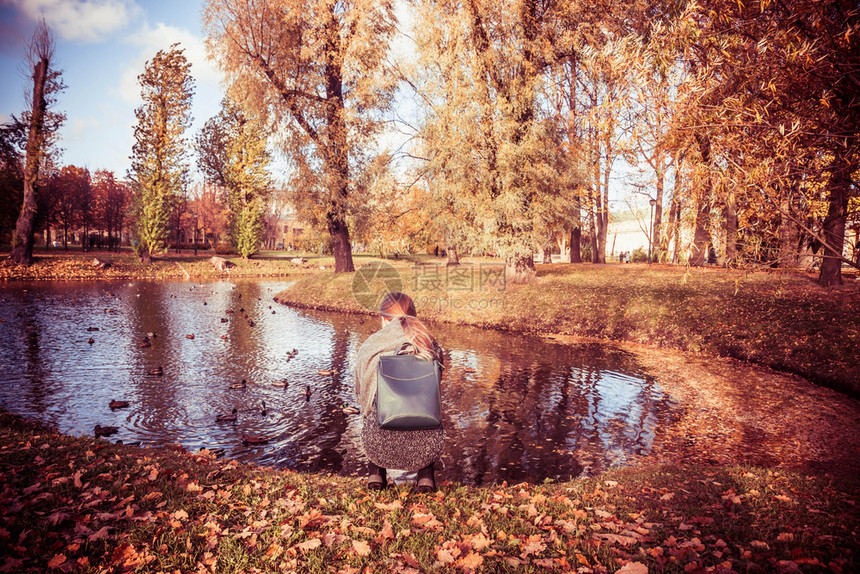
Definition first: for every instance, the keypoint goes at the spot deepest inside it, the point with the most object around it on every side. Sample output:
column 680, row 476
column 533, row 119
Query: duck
column 238, row 386
column 217, row 452
column 92, row 328
column 307, row 392
column 263, row 410
column 283, row 382
column 157, row 372
column 251, row 323
column 189, row 336
column 328, row 372
column 225, row 320
column 91, row 341
column 348, row 410
column 152, row 334
column 224, row 337
column 230, row 311
column 222, row 418
column 145, row 344
column 115, row 404
column 104, row 431
column 254, row 439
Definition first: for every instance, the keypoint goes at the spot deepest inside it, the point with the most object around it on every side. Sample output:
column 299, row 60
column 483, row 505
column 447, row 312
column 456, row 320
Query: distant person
column 408, row 450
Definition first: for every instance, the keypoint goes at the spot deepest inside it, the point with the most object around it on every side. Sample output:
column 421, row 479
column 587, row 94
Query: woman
column 408, row 450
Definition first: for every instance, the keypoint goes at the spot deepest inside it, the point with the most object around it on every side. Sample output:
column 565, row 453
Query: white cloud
column 84, row 20
column 161, row 37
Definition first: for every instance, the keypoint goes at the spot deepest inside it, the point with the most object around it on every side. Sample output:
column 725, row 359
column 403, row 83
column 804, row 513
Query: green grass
column 782, row 321
column 86, row 505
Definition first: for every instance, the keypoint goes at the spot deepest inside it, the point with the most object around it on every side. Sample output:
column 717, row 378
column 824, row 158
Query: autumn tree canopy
column 317, row 71
column 159, row 158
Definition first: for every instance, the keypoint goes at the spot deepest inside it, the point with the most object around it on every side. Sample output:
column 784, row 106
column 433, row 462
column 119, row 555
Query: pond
column 516, row 408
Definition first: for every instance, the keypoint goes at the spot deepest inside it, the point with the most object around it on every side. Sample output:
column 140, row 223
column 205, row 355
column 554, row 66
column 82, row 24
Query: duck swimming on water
column 222, row 418
column 115, row 404
column 104, row 431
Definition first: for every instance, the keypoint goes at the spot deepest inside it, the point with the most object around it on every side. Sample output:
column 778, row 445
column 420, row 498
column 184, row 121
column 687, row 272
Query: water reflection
column 516, row 408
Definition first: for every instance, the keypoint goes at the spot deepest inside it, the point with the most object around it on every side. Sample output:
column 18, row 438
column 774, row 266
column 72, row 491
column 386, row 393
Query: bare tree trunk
column 699, row 251
column 730, row 214
column 658, row 214
column 520, row 270
column 576, row 244
column 834, row 223
column 451, row 256
column 788, row 236
column 22, row 241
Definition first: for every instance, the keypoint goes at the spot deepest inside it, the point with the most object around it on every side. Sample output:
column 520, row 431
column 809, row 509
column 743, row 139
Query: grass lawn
column 86, row 505
column 784, row 321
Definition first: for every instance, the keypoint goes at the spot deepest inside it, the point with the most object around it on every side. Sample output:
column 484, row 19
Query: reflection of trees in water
column 546, row 417
column 155, row 397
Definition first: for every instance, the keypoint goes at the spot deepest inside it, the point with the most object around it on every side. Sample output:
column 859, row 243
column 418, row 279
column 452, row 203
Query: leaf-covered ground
column 75, row 265
column 86, row 505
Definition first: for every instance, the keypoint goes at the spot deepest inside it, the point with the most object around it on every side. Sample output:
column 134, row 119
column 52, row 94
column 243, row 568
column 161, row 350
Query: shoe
column 376, row 479
column 426, row 482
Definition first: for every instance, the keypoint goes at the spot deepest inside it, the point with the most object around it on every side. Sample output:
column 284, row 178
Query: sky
column 102, row 46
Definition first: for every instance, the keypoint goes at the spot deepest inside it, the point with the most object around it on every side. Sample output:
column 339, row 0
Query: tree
column 46, row 84
column 316, row 70
column 776, row 85
column 232, row 152
column 111, row 197
column 159, row 158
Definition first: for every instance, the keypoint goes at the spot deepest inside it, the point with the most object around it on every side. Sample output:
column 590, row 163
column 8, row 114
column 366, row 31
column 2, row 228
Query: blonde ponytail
column 401, row 307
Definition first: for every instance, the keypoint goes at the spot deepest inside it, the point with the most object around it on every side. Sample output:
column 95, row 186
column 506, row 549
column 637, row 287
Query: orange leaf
column 472, row 561
column 57, row 560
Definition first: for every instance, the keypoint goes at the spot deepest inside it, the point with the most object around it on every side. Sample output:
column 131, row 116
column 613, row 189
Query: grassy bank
column 783, row 321
column 86, row 505
column 76, row 265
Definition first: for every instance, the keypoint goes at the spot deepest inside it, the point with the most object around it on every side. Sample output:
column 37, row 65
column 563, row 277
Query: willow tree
column 317, row 71
column 41, row 123
column 482, row 134
column 778, row 84
column 159, row 160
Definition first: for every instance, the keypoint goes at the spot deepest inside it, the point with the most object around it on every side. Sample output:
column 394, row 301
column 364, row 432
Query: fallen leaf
column 361, row 547
column 444, row 556
column 471, row 561
column 389, row 507
column 633, row 568
column 533, row 545
column 56, row 561
column 309, row 544
column 102, row 534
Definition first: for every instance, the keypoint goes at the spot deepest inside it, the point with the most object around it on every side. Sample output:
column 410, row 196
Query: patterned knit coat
column 407, row 450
